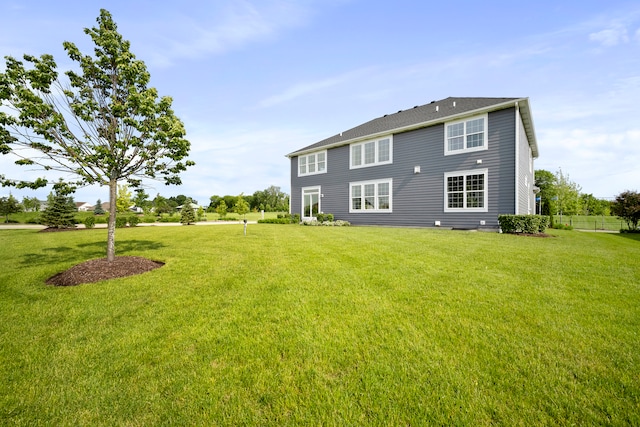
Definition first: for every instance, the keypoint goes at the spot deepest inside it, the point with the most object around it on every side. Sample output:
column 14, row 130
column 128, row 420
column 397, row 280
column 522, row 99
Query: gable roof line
column 527, row 122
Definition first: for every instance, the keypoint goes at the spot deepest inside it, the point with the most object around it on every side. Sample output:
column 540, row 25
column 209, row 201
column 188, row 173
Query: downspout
column 517, row 160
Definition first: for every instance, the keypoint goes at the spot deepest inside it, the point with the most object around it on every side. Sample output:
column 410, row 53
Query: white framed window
column 466, row 191
column 466, row 135
column 371, row 196
column 312, row 164
column 371, row 153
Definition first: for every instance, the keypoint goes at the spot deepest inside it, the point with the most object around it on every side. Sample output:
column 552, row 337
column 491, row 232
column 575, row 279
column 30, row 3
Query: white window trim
column 316, row 172
column 376, row 210
column 376, row 162
column 484, row 146
column 465, row 173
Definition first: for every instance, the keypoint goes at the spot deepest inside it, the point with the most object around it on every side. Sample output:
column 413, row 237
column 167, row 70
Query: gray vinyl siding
column 526, row 198
column 419, row 199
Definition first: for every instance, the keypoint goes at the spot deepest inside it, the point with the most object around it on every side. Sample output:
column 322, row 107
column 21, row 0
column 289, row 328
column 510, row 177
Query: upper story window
column 371, row 153
column 312, row 164
column 466, row 135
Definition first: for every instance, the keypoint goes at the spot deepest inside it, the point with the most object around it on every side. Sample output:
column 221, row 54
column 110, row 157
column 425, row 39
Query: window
column 465, row 191
column 371, row 153
column 370, row 196
column 312, row 164
column 466, row 135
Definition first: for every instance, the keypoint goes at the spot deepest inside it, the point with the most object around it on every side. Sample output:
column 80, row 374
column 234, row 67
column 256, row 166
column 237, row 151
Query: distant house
column 83, row 207
column 194, row 206
column 457, row 162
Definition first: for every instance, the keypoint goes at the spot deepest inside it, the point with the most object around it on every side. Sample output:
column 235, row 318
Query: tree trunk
column 111, row 228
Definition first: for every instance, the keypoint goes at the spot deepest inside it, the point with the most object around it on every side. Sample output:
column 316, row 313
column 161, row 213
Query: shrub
column 529, row 224
column 282, row 219
column 90, row 222
column 320, row 217
column 562, row 227
column 338, row 223
column 134, row 220
column 274, row 221
column 121, row 221
column 148, row 219
column 169, row 219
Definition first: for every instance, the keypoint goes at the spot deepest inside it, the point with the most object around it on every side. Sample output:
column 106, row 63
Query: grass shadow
column 87, row 251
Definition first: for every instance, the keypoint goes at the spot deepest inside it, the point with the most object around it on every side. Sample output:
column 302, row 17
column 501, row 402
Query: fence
column 597, row 223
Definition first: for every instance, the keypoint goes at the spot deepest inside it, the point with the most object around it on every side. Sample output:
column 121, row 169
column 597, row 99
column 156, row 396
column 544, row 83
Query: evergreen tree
column 60, row 211
column 97, row 210
column 187, row 215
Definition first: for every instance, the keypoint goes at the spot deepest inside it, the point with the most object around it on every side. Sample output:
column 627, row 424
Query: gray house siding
column 418, row 199
column 526, row 198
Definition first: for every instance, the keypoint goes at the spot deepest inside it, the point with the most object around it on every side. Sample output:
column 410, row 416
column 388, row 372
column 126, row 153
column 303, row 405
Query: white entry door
column 310, row 202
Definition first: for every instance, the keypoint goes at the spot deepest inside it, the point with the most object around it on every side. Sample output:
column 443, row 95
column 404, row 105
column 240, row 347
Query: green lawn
column 294, row 325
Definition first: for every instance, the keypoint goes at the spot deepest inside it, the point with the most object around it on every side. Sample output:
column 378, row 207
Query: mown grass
column 293, row 325
column 33, row 217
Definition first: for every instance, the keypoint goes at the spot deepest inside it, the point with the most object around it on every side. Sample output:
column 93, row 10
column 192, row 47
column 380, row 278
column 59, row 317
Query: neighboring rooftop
column 427, row 115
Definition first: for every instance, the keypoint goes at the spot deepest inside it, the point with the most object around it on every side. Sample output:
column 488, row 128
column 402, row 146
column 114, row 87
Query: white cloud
column 602, row 162
column 611, row 36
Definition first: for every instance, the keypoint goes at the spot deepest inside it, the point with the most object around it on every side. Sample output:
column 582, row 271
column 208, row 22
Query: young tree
column 221, row 209
column 241, row 207
column 141, row 200
column 123, row 200
column 60, row 210
column 568, row 194
column 31, row 204
column 187, row 214
column 627, row 207
column 9, row 205
column 97, row 210
column 104, row 126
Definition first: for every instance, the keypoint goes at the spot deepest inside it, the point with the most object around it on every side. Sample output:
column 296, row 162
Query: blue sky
column 254, row 80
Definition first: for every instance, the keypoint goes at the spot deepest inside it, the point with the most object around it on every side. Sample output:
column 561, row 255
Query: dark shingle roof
column 426, row 115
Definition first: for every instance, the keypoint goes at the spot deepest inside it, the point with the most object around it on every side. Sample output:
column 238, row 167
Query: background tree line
column 561, row 196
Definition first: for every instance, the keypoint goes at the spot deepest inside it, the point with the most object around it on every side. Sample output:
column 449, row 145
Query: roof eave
column 494, row 107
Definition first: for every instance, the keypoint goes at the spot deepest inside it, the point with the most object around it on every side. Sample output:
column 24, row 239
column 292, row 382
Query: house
column 194, row 206
column 457, row 163
column 83, row 207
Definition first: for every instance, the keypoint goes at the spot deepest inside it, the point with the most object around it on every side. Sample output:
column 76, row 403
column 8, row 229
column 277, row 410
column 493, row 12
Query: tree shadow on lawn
column 87, row 251
column 631, row 236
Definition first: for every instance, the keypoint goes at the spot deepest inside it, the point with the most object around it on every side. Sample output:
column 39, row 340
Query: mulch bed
column 100, row 269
